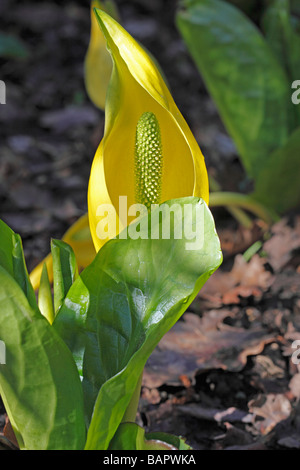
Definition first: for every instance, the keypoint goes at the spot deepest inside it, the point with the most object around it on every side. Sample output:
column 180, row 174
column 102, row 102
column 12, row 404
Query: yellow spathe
column 98, row 62
column 137, row 87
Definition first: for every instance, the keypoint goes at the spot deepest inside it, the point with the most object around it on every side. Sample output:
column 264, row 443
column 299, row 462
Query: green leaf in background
column 278, row 183
column 243, row 76
column 130, row 436
column 12, row 47
column 295, row 5
column 284, row 40
column 39, row 383
column 65, row 270
column 249, row 7
column 126, row 300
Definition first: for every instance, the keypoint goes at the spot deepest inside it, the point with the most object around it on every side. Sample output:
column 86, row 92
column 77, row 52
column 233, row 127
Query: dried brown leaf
column 199, row 344
column 284, row 240
column 273, row 408
column 244, row 280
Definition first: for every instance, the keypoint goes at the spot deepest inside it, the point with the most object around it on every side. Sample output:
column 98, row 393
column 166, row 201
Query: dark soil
column 235, row 386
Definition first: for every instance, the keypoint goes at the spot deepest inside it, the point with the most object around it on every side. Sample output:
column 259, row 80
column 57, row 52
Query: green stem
column 236, row 212
column 240, row 216
column 131, row 411
column 242, row 201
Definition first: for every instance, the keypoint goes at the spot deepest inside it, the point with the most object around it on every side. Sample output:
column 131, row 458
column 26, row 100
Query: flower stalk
column 242, row 201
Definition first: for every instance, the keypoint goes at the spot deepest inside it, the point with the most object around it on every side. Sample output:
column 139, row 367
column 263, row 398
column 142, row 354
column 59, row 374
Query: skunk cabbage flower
column 148, row 152
column 98, row 63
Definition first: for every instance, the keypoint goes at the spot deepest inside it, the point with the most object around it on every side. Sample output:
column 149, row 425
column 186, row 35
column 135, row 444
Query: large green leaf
column 12, row 260
column 243, row 76
column 278, row 184
column 39, row 382
column 127, row 299
column 65, row 270
column 6, row 248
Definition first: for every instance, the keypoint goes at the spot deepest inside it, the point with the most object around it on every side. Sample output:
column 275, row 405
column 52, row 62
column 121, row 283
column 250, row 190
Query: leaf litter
column 234, row 347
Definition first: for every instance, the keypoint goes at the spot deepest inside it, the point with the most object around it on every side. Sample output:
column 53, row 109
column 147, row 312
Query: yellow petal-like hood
column 98, row 62
column 137, row 87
